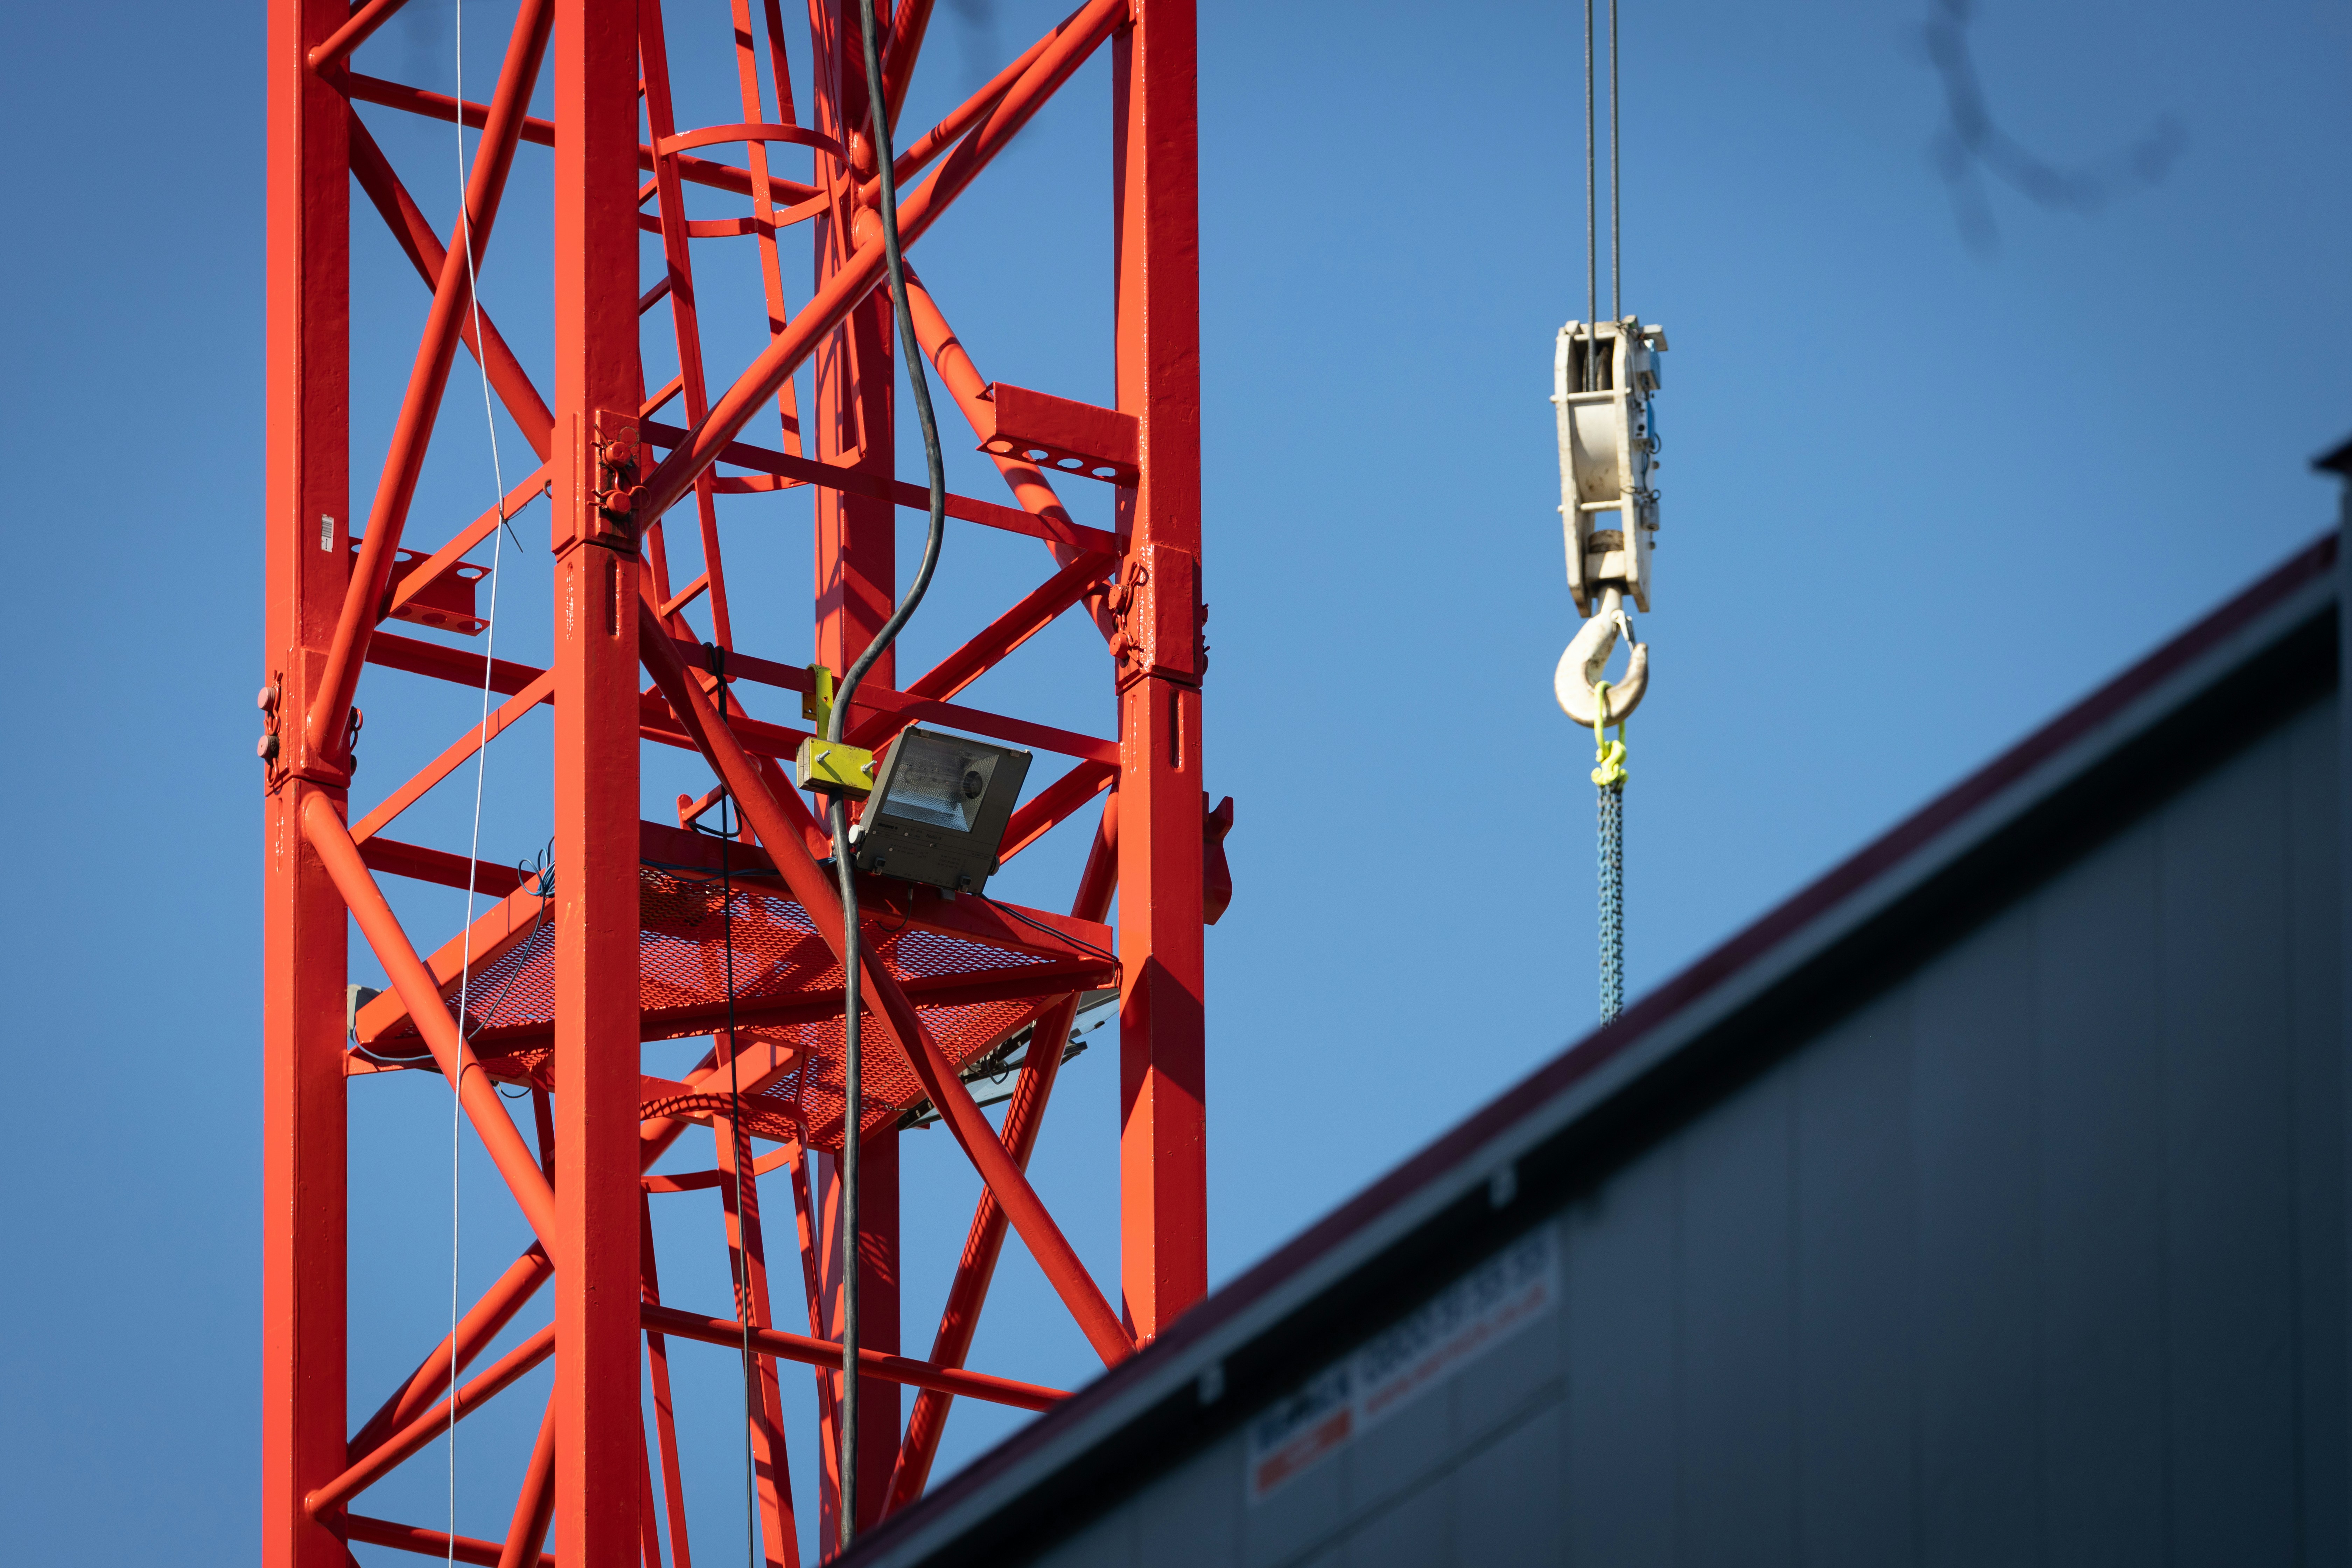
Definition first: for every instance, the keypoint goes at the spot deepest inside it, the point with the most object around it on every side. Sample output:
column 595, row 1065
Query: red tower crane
column 630, row 937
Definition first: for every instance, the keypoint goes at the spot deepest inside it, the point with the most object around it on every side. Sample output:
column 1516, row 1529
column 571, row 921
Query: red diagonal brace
column 476, row 736
column 422, row 997
column 667, row 484
column 353, row 33
column 963, row 381
column 382, row 1462
column 482, row 1323
column 919, row 152
column 783, row 837
column 430, row 570
column 985, row 1241
column 425, row 250
column 534, row 1507
column 1053, row 804
column 906, row 42
column 1037, row 611
column 323, row 730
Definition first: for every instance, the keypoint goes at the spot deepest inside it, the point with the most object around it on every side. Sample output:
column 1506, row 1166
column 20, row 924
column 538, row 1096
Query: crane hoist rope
column 1605, row 374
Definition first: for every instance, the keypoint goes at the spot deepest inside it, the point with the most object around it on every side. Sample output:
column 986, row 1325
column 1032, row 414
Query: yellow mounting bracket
column 834, row 767
column 816, row 703
column 830, row 767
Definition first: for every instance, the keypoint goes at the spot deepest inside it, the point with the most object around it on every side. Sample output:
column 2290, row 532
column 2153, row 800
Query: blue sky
column 1920, row 493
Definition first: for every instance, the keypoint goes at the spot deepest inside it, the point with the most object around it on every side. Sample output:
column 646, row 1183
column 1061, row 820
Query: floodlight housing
column 939, row 809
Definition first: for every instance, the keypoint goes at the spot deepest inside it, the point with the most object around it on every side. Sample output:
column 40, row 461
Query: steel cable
column 481, row 772
column 1616, row 287
column 1591, row 214
column 1610, row 803
column 740, row 1256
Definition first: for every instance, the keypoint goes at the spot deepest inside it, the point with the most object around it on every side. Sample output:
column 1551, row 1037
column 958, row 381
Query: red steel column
column 598, row 1428
column 1163, row 1165
column 306, row 508
column 856, row 588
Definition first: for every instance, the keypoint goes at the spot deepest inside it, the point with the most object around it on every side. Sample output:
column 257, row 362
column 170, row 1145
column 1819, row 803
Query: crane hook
column 1587, row 656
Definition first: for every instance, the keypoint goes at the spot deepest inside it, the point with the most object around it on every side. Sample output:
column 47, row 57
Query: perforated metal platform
column 973, row 986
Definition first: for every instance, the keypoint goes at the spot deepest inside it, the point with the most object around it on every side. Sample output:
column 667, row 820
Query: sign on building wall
column 1409, row 1358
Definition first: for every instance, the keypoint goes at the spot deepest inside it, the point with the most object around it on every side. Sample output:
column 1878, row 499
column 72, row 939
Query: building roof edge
column 2138, row 699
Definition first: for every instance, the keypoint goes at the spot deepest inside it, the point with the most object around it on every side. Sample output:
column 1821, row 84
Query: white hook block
column 1604, row 375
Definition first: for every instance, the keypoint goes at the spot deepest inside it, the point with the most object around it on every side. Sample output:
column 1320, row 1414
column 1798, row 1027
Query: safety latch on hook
column 1580, row 683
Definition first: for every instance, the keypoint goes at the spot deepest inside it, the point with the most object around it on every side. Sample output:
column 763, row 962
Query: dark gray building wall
column 2036, row 1256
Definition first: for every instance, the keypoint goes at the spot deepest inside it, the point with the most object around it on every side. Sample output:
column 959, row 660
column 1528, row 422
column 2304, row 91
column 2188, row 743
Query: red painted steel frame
column 624, row 671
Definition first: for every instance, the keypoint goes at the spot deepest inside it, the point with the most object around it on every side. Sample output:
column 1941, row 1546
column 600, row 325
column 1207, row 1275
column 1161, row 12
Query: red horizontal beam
column 1060, row 432
column 542, row 134
column 391, row 858
column 808, row 470
column 657, row 721
column 425, row 1543
column 906, row 709
column 462, row 665
column 875, row 1365
column 687, row 1181
column 507, row 678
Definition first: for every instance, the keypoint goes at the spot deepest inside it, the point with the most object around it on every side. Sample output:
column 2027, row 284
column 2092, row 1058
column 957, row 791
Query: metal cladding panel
column 1973, row 1232
column 1856, row 1192
column 1621, row 1361
column 2102, row 1317
column 2037, row 1254
column 1735, row 1329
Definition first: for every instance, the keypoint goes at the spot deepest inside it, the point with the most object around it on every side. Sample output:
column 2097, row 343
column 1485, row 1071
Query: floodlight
column 938, row 810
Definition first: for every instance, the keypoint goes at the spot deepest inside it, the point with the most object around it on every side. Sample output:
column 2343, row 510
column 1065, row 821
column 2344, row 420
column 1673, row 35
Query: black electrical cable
column 852, row 1102
column 546, row 892
column 1049, row 930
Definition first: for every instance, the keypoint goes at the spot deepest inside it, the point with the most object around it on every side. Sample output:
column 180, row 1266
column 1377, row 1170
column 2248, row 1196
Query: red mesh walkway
column 972, row 993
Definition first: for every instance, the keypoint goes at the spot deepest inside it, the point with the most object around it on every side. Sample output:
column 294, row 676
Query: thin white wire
column 481, row 768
